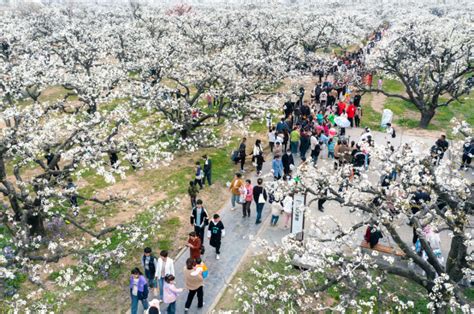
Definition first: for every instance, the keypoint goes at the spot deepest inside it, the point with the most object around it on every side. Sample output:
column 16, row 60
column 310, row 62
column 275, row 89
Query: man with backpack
column 150, row 264
column 199, row 220
column 391, row 130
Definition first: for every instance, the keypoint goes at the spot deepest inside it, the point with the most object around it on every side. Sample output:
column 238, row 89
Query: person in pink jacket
column 248, row 199
column 170, row 292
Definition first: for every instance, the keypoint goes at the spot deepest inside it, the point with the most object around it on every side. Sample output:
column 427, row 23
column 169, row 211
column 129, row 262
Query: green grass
column 407, row 123
column 222, row 166
column 399, row 106
column 392, row 86
column 258, row 126
column 470, row 294
column 94, row 182
column 406, row 111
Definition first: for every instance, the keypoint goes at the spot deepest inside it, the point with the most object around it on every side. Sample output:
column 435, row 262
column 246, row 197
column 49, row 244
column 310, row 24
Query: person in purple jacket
column 138, row 290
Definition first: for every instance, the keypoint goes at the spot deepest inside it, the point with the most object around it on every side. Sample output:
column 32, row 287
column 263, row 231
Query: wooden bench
column 382, row 248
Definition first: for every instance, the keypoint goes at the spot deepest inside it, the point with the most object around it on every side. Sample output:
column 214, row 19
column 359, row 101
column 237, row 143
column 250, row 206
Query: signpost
column 297, row 216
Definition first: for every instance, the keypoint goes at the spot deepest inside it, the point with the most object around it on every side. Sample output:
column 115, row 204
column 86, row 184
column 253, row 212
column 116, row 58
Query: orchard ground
column 170, row 184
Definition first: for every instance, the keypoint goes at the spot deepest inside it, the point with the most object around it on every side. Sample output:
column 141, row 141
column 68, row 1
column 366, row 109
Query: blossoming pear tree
column 431, row 56
column 331, row 257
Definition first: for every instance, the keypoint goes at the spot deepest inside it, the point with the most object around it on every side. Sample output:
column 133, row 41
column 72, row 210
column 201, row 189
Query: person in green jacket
column 193, row 192
column 294, row 140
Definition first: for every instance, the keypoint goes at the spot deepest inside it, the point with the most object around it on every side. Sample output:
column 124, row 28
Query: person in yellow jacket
column 234, row 187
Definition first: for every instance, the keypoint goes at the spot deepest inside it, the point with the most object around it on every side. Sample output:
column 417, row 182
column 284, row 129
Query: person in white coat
column 287, row 209
column 165, row 266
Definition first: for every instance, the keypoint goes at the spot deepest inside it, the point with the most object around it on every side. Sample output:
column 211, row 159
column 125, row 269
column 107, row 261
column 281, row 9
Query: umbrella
column 318, row 127
column 342, row 122
column 332, row 132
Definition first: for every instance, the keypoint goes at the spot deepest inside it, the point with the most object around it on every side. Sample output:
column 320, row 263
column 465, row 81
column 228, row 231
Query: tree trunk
column 426, row 116
column 456, row 258
column 36, row 224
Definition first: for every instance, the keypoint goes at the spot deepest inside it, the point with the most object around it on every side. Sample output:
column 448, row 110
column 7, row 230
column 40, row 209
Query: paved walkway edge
column 237, row 267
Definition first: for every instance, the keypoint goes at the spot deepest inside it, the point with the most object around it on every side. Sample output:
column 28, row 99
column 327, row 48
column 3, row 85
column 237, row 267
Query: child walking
column 170, row 292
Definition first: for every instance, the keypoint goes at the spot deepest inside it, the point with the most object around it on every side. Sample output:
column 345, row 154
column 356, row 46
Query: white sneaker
column 217, row 256
column 233, row 208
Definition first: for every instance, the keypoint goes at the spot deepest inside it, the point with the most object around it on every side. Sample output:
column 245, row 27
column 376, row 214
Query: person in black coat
column 305, row 110
column 258, row 191
column 199, row 219
column 215, row 233
column 288, row 108
column 207, row 170
column 242, row 154
column 358, row 157
column 417, row 201
column 287, row 161
column 443, row 146
column 357, row 99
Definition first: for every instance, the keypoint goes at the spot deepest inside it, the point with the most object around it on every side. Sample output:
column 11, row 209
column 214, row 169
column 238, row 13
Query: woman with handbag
column 260, row 198
column 138, row 290
column 258, row 156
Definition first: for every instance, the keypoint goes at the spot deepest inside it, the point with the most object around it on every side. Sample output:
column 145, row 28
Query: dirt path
column 378, row 101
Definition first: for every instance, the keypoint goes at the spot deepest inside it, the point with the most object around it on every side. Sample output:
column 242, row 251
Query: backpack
column 271, row 198
column 235, row 155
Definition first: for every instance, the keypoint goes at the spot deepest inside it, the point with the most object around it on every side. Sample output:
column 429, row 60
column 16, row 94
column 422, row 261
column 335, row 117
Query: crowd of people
column 306, row 132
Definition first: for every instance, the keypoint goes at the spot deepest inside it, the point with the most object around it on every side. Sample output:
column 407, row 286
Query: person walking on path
column 194, row 244
column 199, row 219
column 315, row 149
column 150, row 265
column 271, row 138
column 234, row 187
column 260, row 198
column 331, row 147
column 287, row 161
column 282, row 126
column 154, row 307
column 304, row 144
column 351, row 112
column 276, row 212
column 443, row 146
column 138, row 290
column 277, row 167
column 248, row 199
column 287, row 209
column 294, row 140
column 165, row 266
column 358, row 116
column 215, row 233
column 193, row 192
column 194, row 283
column 258, row 156
column 467, row 153
column 278, row 150
column 199, row 175
column 170, row 292
column 207, row 170
column 242, row 154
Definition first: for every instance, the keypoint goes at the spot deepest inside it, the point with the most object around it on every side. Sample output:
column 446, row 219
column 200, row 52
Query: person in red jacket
column 351, row 110
column 341, row 106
